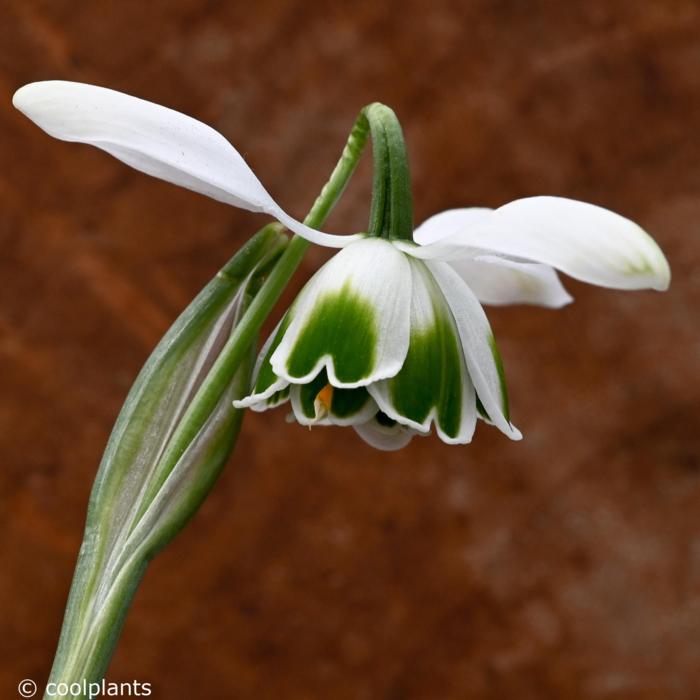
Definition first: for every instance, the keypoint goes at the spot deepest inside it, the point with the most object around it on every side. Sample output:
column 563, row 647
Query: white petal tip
column 251, row 399
column 649, row 269
column 460, row 440
column 261, row 397
column 29, row 96
column 558, row 302
column 383, row 438
column 514, row 434
column 662, row 277
column 20, row 97
column 565, row 301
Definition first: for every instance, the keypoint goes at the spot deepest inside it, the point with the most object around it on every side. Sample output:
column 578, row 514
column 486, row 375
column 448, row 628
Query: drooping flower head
column 373, row 341
column 380, row 332
column 389, row 336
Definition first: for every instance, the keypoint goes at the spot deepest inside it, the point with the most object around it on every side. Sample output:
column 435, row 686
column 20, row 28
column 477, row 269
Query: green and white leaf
column 145, row 490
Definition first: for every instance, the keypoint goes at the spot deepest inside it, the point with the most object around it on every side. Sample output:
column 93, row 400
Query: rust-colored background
column 565, row 566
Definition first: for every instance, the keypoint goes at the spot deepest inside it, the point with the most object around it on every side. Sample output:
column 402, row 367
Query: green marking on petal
column 278, row 397
column 344, row 403
column 431, row 376
column 501, row 376
column 482, row 411
column 343, row 326
column 266, row 377
column 309, row 392
column 348, row 402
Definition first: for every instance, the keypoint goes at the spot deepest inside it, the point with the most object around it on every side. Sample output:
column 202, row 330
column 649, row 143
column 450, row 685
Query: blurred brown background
column 566, row 566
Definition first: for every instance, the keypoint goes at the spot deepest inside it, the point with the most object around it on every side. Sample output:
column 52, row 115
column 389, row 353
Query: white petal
column 448, row 223
column 583, row 240
column 479, row 347
column 383, row 437
column 280, row 397
column 263, row 400
column 157, row 141
column 352, row 318
column 450, row 248
column 496, row 280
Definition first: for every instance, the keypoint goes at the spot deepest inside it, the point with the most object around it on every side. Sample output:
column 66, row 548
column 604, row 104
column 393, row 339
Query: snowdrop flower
column 390, row 335
column 391, row 343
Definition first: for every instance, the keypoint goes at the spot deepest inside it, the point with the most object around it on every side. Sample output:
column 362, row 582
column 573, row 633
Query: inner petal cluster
column 372, row 342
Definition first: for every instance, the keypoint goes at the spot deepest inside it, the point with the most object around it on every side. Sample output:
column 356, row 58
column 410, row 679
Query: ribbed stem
column 391, row 215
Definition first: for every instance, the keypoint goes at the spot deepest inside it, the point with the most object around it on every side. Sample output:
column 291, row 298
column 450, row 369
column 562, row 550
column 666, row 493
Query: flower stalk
column 391, row 214
column 175, row 433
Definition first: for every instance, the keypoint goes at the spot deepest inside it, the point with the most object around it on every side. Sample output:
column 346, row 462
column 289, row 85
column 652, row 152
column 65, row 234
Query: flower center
column 323, row 401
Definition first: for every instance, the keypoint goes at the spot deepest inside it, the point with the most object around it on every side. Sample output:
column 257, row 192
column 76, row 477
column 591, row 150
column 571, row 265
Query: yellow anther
column 325, row 397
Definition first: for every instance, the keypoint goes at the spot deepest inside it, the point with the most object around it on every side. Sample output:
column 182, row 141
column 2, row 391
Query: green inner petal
column 278, row 398
column 309, row 392
column 501, row 376
column 348, row 402
column 344, row 402
column 266, row 377
column 482, row 411
column 344, row 326
column 431, row 376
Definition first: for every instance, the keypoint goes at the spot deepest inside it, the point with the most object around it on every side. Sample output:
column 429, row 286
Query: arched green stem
column 391, row 215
